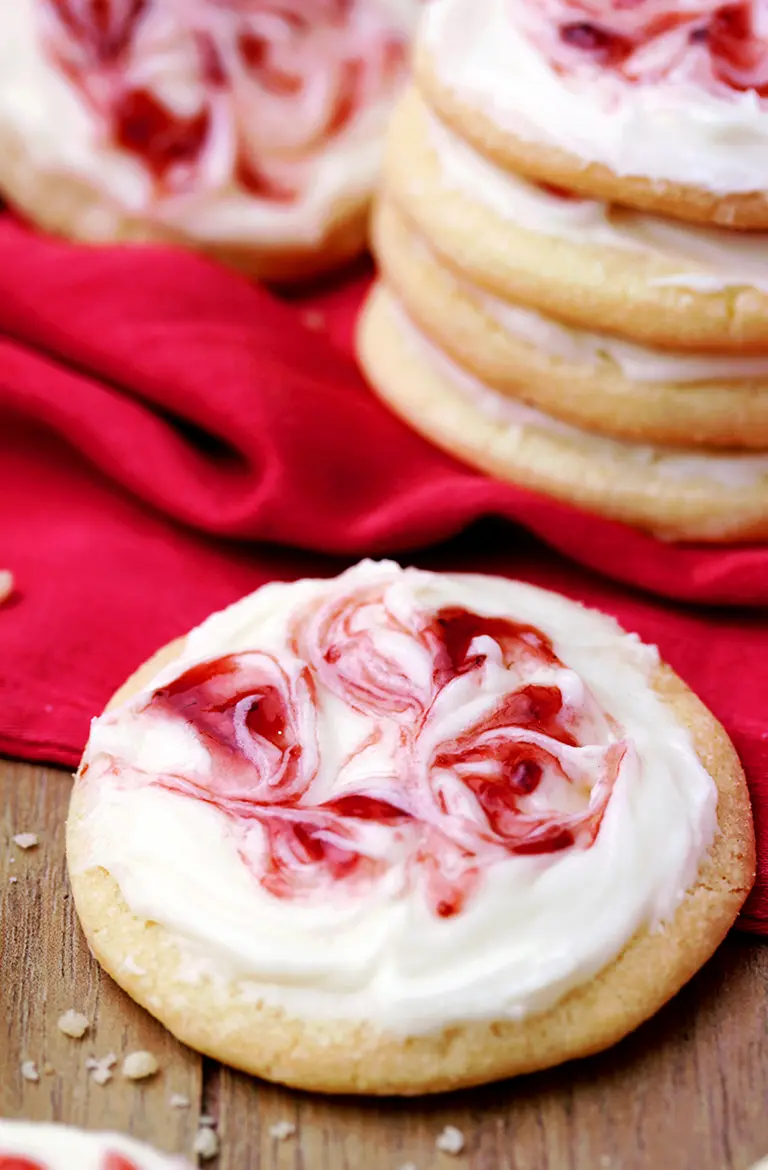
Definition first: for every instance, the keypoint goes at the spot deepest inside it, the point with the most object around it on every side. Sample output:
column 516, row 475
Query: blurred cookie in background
column 247, row 128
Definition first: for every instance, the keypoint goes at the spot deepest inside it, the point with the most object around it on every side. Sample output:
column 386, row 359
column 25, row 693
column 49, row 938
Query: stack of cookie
column 574, row 289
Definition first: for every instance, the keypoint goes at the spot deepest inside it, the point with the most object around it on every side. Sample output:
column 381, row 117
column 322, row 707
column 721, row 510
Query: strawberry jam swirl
column 30, row 1146
column 398, row 796
column 110, row 1160
column 722, row 48
column 493, row 749
column 243, row 94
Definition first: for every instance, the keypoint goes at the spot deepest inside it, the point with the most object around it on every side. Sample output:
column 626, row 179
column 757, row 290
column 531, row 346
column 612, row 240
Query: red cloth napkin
column 152, row 403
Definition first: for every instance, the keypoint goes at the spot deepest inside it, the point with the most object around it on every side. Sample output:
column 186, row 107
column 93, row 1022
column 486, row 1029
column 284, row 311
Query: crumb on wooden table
column 282, row 1130
column 206, row 1143
column 450, row 1141
column 29, row 1071
column 179, row 1101
column 48, row 1069
column 73, row 1023
column 137, row 1066
column 26, row 840
column 101, row 1070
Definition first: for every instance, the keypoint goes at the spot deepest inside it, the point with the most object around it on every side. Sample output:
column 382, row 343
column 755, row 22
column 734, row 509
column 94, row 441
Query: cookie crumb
column 12, row 880
column 29, row 1071
column 207, row 1119
column 73, row 1023
column 179, row 1101
column 206, row 1143
column 450, row 1141
column 137, row 1066
column 48, row 1069
column 6, row 585
column 282, row 1130
column 101, row 1070
column 26, row 840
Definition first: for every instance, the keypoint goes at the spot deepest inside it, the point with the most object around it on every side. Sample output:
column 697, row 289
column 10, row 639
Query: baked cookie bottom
column 612, row 289
column 65, row 206
column 596, row 395
column 678, row 495
column 548, row 164
column 343, row 1056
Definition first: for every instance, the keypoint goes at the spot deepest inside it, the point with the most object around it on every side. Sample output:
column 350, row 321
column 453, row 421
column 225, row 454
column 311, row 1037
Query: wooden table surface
column 689, row 1091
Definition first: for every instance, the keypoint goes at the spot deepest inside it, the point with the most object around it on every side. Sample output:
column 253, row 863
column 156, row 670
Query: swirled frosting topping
column 204, row 92
column 225, row 121
column 25, row 1145
column 671, row 90
column 391, row 758
column 722, row 48
column 480, row 762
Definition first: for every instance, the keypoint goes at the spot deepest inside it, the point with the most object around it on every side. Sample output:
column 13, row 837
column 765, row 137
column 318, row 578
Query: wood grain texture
column 686, row 1092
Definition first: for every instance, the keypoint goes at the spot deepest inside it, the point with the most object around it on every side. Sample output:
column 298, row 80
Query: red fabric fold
column 159, row 415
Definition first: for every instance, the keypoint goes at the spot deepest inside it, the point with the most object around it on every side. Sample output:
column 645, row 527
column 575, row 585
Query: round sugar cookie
column 677, row 494
column 603, row 268
column 321, row 837
column 252, row 133
column 662, row 113
column 29, row 1145
column 592, row 380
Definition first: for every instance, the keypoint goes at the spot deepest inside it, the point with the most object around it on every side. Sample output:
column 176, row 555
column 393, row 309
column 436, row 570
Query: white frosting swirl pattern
column 685, row 125
column 487, row 766
column 226, row 120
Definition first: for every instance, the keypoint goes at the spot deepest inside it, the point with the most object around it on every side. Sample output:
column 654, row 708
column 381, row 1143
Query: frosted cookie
column 658, row 105
column 677, row 494
column 26, row 1145
column 593, row 380
column 600, row 267
column 252, row 131
column 397, row 832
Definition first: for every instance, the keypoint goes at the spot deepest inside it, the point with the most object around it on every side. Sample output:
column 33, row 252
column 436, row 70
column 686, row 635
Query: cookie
column 398, row 832
column 601, row 268
column 675, row 493
column 660, row 112
column 27, row 1145
column 592, row 380
column 252, row 135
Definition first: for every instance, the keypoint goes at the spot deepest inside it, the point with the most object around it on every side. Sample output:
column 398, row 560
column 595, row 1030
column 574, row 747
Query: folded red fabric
column 152, row 404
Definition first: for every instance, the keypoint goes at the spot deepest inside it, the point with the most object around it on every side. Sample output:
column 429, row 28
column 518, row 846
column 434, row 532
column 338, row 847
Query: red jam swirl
column 483, row 763
column 110, row 1161
column 722, row 47
column 271, row 83
column 115, row 1161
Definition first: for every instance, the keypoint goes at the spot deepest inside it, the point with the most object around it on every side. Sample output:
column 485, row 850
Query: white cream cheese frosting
column 60, row 1147
column 709, row 258
column 569, row 343
column 265, row 93
column 551, row 805
column 665, row 121
column 639, row 363
column 733, row 471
